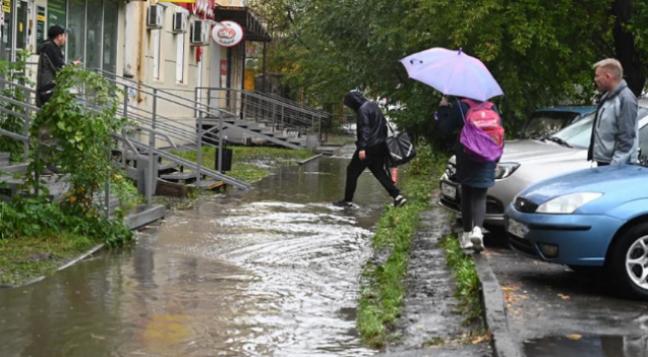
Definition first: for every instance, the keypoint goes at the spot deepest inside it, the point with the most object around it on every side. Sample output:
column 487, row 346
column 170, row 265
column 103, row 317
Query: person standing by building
column 371, row 149
column 51, row 60
column 615, row 134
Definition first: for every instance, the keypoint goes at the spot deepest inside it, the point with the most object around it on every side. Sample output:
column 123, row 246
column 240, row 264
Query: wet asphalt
column 554, row 311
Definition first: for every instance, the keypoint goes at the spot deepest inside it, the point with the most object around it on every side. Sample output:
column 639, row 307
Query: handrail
column 265, row 98
column 13, row 135
column 293, row 102
column 158, row 133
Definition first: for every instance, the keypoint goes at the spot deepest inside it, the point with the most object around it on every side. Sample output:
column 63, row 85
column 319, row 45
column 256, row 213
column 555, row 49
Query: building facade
column 128, row 39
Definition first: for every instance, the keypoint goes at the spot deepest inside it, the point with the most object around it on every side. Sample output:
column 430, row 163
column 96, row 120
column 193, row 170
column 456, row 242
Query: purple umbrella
column 452, row 73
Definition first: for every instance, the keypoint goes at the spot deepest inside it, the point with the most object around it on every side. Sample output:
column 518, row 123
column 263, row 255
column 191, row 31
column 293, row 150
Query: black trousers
column 473, row 207
column 376, row 161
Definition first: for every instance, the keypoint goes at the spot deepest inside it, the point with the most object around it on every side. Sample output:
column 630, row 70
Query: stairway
column 188, row 117
column 257, row 118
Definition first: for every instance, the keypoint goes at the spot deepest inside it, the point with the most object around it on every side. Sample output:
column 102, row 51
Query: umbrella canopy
column 452, row 73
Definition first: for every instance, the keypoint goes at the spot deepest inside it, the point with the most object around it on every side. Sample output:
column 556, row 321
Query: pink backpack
column 482, row 135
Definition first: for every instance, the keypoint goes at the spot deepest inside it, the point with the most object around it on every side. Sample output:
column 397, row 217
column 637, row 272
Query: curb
column 300, row 163
column 495, row 311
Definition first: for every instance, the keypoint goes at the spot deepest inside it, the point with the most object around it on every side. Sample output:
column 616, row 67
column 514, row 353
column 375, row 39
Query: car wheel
column 629, row 261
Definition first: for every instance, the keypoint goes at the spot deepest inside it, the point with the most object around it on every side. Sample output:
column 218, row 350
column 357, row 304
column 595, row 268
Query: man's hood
column 354, row 100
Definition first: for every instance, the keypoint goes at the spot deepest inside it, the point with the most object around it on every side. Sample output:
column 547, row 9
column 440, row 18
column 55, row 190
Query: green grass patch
column 382, row 288
column 36, row 236
column 25, row 258
column 465, row 273
column 250, row 163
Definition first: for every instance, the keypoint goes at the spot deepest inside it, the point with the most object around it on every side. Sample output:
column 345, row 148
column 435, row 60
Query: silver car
column 527, row 161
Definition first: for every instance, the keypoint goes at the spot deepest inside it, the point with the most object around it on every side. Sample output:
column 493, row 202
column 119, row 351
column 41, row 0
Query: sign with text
column 227, row 33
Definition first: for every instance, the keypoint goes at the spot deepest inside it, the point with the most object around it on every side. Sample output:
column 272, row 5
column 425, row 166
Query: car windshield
column 578, row 134
column 543, row 124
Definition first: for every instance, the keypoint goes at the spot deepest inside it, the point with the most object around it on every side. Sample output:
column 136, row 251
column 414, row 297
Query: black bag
column 401, row 149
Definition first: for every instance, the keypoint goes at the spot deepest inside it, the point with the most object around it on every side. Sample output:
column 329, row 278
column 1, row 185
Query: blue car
column 595, row 217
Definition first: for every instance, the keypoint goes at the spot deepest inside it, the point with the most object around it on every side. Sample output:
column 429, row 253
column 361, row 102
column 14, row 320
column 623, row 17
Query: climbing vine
column 72, row 134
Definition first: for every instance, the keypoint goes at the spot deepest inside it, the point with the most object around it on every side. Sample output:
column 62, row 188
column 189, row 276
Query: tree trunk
column 624, row 44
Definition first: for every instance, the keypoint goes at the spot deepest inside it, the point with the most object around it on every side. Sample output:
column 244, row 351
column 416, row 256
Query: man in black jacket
column 50, row 62
column 371, row 149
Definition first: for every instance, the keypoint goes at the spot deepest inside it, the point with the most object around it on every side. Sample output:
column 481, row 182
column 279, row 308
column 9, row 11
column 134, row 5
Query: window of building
column 76, row 30
column 93, row 39
column 111, row 14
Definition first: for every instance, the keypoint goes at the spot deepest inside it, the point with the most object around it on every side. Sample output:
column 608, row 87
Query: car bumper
column 450, row 198
column 581, row 240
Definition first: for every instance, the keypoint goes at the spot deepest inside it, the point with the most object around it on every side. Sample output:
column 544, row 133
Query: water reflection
column 591, row 346
column 271, row 272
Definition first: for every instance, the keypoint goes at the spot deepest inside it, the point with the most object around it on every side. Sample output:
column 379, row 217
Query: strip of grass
column 251, row 163
column 465, row 273
column 383, row 289
column 25, row 258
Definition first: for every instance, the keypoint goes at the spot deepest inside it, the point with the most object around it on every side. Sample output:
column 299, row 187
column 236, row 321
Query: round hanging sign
column 227, row 33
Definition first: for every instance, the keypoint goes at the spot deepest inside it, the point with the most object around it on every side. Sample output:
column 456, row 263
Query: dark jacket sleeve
column 364, row 128
column 55, row 55
column 450, row 120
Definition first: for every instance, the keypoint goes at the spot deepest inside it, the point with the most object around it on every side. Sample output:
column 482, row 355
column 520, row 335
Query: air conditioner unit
column 180, row 20
column 154, row 17
column 199, row 33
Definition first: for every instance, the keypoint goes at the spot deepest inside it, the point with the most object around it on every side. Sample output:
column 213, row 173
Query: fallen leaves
column 574, row 337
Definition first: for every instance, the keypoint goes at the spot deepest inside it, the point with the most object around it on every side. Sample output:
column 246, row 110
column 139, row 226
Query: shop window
column 111, row 13
column 77, row 30
column 94, row 40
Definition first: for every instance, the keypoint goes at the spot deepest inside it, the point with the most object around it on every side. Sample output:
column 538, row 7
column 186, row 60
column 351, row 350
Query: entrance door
column 6, row 42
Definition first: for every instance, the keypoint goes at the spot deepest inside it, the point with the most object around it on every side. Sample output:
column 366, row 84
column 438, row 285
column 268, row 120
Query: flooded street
column 271, row 272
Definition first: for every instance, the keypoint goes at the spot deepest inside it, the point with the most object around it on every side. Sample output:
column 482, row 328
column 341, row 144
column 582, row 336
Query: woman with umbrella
column 466, row 78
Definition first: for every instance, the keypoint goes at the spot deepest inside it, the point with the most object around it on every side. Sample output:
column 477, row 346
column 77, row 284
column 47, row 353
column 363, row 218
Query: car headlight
column 567, row 204
column 505, row 169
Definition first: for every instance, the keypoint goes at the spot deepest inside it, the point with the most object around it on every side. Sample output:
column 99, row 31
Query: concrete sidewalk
column 430, row 324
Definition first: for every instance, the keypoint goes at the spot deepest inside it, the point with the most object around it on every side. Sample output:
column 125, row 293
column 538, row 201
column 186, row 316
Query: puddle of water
column 271, row 272
column 591, row 346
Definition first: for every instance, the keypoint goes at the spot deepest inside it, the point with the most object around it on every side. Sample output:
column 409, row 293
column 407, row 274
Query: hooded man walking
column 615, row 134
column 371, row 149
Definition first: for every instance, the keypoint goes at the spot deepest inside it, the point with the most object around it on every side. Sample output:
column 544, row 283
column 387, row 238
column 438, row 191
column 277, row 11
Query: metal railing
column 135, row 144
column 279, row 114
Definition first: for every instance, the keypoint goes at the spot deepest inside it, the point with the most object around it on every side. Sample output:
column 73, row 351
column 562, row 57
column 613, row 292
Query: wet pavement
column 431, row 323
column 272, row 272
column 553, row 311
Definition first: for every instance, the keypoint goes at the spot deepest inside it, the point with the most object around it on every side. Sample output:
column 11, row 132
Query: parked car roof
column 579, row 109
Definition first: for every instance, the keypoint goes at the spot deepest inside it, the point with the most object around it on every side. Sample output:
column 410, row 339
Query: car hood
column 628, row 181
column 536, row 151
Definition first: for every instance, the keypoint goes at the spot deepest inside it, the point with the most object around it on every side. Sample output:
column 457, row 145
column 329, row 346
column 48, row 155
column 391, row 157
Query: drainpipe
column 140, row 53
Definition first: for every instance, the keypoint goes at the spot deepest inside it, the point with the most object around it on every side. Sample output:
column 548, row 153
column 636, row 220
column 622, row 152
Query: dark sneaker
column 400, row 201
column 343, row 204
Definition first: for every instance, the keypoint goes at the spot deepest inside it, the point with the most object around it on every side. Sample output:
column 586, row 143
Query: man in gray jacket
column 615, row 134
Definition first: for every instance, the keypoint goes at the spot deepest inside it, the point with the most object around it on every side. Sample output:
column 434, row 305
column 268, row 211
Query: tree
column 541, row 52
